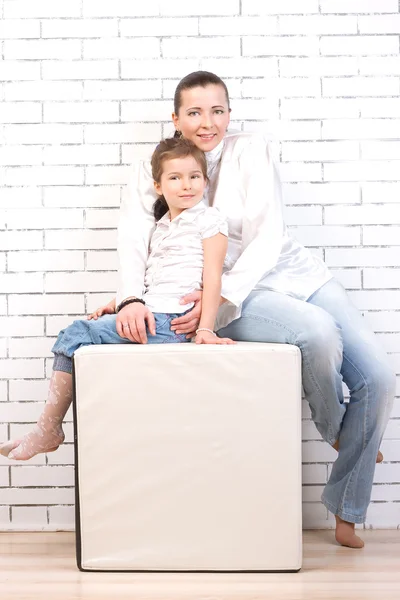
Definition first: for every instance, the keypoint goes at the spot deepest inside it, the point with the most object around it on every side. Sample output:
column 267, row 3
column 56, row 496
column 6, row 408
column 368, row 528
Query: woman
column 273, row 291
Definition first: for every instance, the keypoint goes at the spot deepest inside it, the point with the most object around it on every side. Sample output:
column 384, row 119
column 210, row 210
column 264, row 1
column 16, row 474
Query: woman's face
column 203, row 116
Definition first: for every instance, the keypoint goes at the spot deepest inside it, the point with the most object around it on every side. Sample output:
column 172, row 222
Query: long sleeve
column 263, row 226
column 136, row 225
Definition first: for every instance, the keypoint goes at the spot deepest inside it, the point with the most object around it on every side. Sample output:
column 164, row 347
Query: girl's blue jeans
column 104, row 331
column 336, row 345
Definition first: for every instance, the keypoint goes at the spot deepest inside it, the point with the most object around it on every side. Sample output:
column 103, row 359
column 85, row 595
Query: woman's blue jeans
column 336, row 345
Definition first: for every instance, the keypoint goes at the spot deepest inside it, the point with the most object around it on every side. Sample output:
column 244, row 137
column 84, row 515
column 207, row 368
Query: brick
column 30, row 348
column 3, row 476
column 55, row 324
column 382, row 320
column 319, row 151
column 124, row 132
column 280, row 46
column 391, row 448
column 14, row 70
column 120, row 8
column 81, row 240
column 44, row 175
column 21, row 282
column 17, row 155
column 29, row 516
column 104, row 175
column 372, row 300
column 156, row 110
column 157, row 67
column 382, row 515
column 365, row 214
column 390, row 343
column 53, row 304
column 96, row 300
column 121, row 90
column 303, row 215
column 17, row 368
column 238, row 26
column 359, row 6
column 385, row 493
column 281, row 88
column 317, row 66
column 199, row 47
column 37, row 49
column 253, row 67
column 43, row 134
column 319, row 108
column 80, row 28
column 81, row 282
column 378, row 107
column 43, row 90
column 317, row 24
column 82, row 69
column 37, row 496
column 42, row 476
column 102, row 219
column 375, row 192
column 362, row 171
column 16, row 112
column 87, row 154
column 81, row 112
column 290, row 130
column 312, row 493
column 358, row 45
column 322, row 193
column 122, row 48
column 44, row 218
column 24, row 240
column 3, row 305
column 105, row 195
column 45, row 261
column 102, row 261
column 379, row 65
column 62, row 517
column 360, row 86
column 349, row 278
column 18, row 29
column 24, row 9
column 388, row 235
column 327, row 236
column 4, row 516
column 314, row 474
column 159, row 27
column 28, row 390
column 361, row 128
column 259, row 7
column 380, row 150
column 363, row 257
column 297, row 172
column 206, row 7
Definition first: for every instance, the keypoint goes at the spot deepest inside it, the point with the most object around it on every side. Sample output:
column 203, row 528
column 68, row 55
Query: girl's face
column 203, row 116
column 182, row 184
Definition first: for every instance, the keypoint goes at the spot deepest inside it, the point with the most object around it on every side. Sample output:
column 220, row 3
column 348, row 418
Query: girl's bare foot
column 345, row 534
column 379, row 457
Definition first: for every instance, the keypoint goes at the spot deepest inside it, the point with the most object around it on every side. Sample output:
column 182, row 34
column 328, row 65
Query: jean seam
column 343, row 515
column 330, row 439
column 356, row 471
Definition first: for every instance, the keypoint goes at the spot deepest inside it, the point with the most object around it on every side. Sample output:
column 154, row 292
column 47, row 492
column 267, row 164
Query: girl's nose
column 187, row 184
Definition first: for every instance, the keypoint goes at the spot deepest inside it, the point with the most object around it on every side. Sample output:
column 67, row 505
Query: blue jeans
column 336, row 345
column 104, row 331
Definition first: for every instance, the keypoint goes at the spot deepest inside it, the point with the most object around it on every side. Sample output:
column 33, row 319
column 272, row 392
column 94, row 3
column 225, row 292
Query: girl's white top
column 175, row 262
column 245, row 187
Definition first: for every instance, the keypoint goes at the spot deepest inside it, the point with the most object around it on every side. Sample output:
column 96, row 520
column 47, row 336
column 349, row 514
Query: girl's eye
column 173, row 177
column 195, row 176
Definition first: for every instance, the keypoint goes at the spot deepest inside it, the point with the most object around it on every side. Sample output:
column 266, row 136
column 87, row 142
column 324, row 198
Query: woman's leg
column 371, row 383
column 268, row 316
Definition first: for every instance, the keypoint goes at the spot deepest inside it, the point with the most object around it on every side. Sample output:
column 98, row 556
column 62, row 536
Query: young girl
column 187, row 252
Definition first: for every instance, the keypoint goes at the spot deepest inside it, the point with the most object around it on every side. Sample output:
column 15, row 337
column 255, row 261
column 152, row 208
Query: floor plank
column 42, row 566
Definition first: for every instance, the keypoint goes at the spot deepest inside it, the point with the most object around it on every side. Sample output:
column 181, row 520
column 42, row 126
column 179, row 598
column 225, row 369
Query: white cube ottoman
column 188, row 458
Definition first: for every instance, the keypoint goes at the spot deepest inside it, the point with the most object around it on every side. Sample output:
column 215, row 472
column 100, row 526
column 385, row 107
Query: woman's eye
column 193, row 112
column 219, row 112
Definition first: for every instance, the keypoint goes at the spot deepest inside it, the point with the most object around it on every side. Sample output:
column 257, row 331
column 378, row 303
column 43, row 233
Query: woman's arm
column 214, row 249
column 262, row 225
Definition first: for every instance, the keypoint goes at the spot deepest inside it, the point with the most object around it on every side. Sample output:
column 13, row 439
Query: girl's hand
column 205, row 337
column 108, row 309
column 189, row 322
column 132, row 320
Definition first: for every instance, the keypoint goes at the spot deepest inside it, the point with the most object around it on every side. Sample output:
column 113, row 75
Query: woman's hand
column 205, row 337
column 108, row 309
column 189, row 322
column 131, row 322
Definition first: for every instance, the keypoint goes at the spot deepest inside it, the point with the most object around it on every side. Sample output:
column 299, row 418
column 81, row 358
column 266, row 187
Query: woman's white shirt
column 176, row 258
column 245, row 187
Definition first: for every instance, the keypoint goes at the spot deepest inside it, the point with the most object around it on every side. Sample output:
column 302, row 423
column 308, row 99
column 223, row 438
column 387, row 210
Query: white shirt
column 245, row 187
column 175, row 262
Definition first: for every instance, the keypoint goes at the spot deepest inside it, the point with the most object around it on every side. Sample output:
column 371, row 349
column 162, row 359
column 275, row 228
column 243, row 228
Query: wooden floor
column 42, row 566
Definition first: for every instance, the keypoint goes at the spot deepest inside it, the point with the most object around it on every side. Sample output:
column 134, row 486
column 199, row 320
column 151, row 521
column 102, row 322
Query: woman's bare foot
column 345, row 534
column 379, row 457
column 33, row 443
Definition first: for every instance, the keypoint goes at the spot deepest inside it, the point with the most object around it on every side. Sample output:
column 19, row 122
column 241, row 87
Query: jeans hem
column 62, row 363
column 342, row 514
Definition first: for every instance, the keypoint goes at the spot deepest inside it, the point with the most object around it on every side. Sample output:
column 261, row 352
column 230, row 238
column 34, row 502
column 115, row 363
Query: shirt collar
column 187, row 215
column 214, row 155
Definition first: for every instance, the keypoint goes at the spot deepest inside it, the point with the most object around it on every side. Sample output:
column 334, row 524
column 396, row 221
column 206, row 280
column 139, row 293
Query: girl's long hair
column 169, row 149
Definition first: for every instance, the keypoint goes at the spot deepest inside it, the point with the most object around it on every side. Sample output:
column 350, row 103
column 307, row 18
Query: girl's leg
column 47, row 434
column 371, row 383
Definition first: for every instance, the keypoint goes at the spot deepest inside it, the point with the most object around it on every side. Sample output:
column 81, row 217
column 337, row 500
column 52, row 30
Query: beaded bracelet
column 129, row 301
column 205, row 329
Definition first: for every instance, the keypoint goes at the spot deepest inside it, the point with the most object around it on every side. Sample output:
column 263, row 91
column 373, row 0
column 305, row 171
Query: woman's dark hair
column 197, row 79
column 169, row 149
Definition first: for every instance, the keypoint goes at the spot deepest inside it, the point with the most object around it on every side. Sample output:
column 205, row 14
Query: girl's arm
column 214, row 249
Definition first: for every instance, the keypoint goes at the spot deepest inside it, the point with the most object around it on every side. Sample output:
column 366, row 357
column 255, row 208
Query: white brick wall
column 86, row 86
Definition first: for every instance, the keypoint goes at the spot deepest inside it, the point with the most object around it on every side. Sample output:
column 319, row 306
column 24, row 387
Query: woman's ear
column 175, row 121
